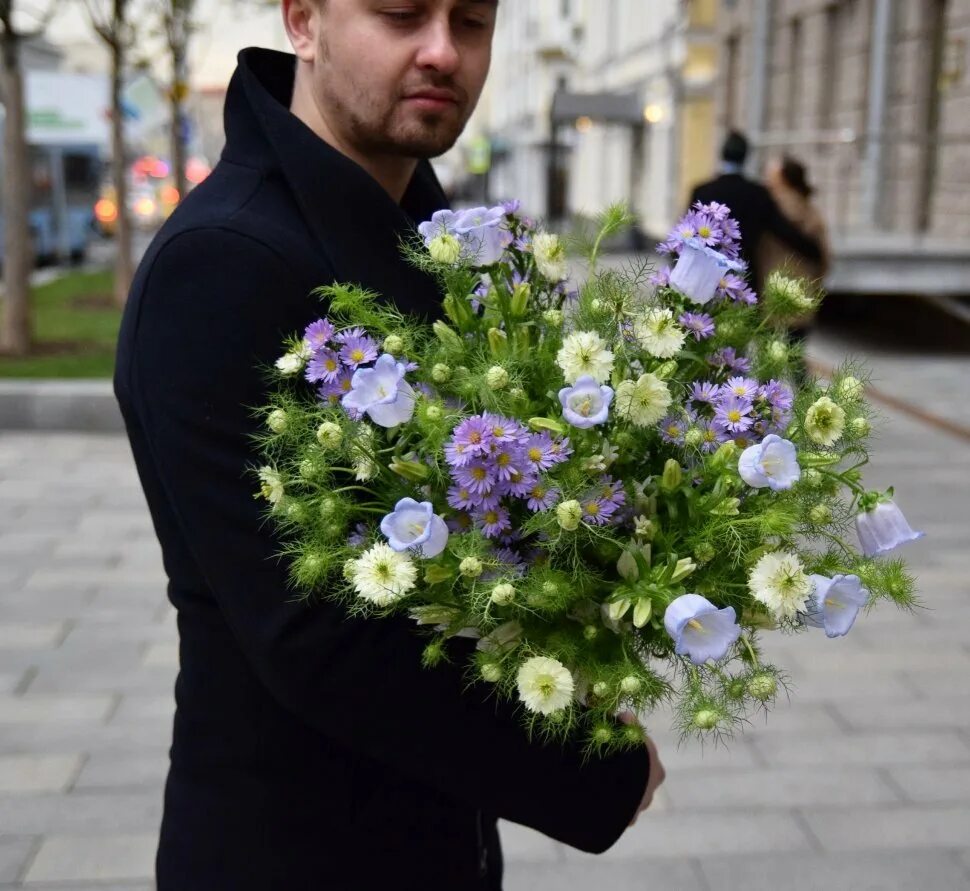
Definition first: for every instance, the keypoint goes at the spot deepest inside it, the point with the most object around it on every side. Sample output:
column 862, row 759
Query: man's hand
column 657, row 772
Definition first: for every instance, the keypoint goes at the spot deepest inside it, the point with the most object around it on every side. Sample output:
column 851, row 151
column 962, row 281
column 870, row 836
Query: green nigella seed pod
column 762, row 686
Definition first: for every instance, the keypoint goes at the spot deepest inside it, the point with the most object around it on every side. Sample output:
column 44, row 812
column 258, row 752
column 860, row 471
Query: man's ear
column 301, row 18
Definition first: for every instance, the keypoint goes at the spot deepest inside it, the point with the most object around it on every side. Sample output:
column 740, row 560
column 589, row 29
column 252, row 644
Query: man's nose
column 438, row 50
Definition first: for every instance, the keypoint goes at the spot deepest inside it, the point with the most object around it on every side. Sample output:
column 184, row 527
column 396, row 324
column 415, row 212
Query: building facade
column 874, row 97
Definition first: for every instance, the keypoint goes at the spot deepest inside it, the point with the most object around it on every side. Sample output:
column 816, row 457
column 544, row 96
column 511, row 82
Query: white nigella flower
column 382, row 575
column 773, row 463
column 778, row 580
column 292, row 362
column 545, row 685
column 584, row 354
column 643, row 402
column 825, row 422
column 659, row 334
column 271, row 485
column 550, row 256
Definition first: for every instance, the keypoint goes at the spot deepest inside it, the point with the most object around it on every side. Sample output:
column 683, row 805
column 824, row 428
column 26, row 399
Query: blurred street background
column 863, row 781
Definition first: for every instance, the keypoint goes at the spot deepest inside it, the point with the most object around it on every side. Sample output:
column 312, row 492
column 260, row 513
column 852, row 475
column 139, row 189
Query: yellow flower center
column 535, row 454
column 479, row 473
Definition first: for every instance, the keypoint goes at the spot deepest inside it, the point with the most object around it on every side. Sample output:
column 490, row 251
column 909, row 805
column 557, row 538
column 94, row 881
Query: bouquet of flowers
column 615, row 489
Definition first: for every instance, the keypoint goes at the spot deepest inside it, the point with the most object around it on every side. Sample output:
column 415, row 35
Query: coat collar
column 358, row 225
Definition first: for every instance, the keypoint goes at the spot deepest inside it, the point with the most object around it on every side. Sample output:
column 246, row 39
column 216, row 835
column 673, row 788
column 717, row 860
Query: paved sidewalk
column 864, row 783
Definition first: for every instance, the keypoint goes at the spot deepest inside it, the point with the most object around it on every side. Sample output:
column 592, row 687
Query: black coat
column 757, row 214
column 310, row 751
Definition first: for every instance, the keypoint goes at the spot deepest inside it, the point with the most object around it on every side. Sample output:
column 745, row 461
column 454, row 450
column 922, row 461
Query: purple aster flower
column 718, row 211
column 511, row 207
column 470, row 439
column 743, row 387
column 502, row 430
column 360, row 350
column 493, row 521
column 542, row 497
column 700, row 324
column 504, row 460
column 661, row 278
column 708, row 228
column 460, row 522
column 778, row 395
column 734, row 414
column 478, row 477
column 520, row 483
column 727, row 358
column 337, row 389
column 460, row 498
column 734, row 287
column 358, row 538
column 323, row 367
column 709, row 435
column 705, row 392
column 343, row 336
column 510, row 559
column 539, row 451
column 318, row 334
column 600, row 505
column 672, row 429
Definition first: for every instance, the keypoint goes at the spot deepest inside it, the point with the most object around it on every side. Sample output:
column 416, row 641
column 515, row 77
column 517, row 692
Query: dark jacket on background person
column 757, row 214
column 310, row 750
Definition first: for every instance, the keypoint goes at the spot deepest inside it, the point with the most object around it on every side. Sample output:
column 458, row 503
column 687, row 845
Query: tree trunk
column 179, row 88
column 16, row 327
column 123, row 259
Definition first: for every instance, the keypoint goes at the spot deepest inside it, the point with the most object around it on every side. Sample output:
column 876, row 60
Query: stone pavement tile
column 863, row 714
column 892, row 828
column 38, row 773
column 903, row 870
column 57, row 580
column 857, row 661
column 130, row 770
column 139, row 707
column 137, row 679
column 165, row 655
column 94, row 631
column 735, row 754
column 522, row 844
column 936, row 684
column 779, row 787
column 81, row 812
column 66, row 738
column 675, row 834
column 15, row 852
column 44, row 606
column 85, row 886
column 10, row 681
column 94, row 858
column 26, row 545
column 875, row 748
column 927, row 783
column 810, row 687
column 31, row 635
column 51, row 709
column 631, row 875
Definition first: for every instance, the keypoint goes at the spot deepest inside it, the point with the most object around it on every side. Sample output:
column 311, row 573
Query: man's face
column 402, row 77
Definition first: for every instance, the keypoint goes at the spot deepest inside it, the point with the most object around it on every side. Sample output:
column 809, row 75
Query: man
column 312, row 751
column 753, row 207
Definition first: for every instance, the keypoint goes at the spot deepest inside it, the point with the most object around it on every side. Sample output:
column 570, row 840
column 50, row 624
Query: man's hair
column 735, row 148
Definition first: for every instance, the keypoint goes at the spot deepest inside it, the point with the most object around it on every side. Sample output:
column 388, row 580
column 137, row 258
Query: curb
column 86, row 406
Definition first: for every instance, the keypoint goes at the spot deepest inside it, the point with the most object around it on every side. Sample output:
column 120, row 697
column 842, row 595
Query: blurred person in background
column 756, row 211
column 787, row 181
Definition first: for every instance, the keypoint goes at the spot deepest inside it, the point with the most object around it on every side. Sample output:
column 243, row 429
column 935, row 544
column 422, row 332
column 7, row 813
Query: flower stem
column 751, row 652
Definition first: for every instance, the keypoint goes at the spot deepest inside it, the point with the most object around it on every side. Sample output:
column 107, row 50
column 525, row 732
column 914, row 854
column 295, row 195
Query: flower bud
column 445, row 249
column 672, row 477
column 471, row 567
column 601, row 689
column 520, row 298
column 350, row 569
column 329, row 435
column 503, row 594
column 547, row 424
column 277, row 420
column 590, row 632
column 778, row 351
column 295, row 511
column 491, row 672
column 441, row 373
column 820, row 514
column 850, row 389
column 434, row 413
column 410, row 470
column 693, row 438
column 735, row 688
column 811, row 478
column 394, row 344
column 517, row 393
column 446, row 335
column 630, row 685
column 602, row 735
column 569, row 514
column 706, row 719
column 597, row 306
column 553, row 318
column 308, row 469
column 633, row 733
column 762, row 686
column 685, row 566
column 497, row 378
column 860, row 427
column 645, row 528
column 498, row 342
column 725, row 454
column 704, row 552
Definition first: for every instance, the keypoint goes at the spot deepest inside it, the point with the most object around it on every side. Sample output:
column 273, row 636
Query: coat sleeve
column 777, row 224
column 205, row 319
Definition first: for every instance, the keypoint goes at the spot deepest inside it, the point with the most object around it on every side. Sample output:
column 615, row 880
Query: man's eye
column 400, row 16
column 475, row 23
